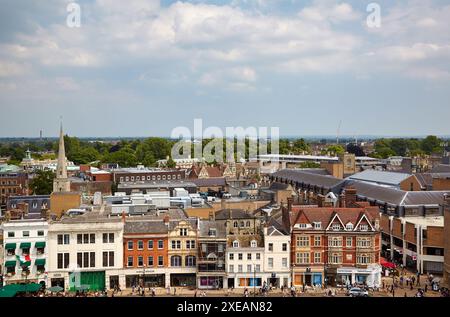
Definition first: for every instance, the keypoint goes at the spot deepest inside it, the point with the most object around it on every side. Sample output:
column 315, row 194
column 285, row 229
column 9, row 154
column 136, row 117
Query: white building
column 25, row 251
column 277, row 257
column 85, row 251
column 245, row 262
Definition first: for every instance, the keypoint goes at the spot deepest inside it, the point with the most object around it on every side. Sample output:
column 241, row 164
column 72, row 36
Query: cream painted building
column 182, row 252
column 245, row 261
column 86, row 250
column 277, row 256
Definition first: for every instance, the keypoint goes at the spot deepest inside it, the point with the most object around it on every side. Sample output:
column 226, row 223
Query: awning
column 10, row 246
column 40, row 244
column 10, row 263
column 387, row 264
column 39, row 262
column 25, row 245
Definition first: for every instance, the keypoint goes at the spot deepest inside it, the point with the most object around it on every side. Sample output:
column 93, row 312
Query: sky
column 145, row 67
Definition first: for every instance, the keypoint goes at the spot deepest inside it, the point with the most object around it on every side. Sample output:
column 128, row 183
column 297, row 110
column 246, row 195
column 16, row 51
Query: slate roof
column 142, row 226
column 299, row 176
column 441, row 168
column 212, row 181
column 206, row 225
column 380, row 177
column 398, row 197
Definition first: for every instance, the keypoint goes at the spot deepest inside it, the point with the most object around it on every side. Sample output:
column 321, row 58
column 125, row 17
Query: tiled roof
column 155, row 226
column 325, row 215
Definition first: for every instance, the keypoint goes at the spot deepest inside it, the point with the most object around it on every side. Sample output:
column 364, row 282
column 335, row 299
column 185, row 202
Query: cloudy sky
column 144, row 67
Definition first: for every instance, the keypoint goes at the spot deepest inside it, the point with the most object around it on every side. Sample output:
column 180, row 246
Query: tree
column 355, row 149
column 334, row 150
column 42, row 183
column 124, row 157
column 431, row 144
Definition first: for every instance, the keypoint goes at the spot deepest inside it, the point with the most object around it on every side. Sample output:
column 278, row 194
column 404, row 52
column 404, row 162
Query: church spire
column 61, row 182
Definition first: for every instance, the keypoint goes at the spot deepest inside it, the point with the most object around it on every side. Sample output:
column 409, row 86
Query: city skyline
column 142, row 68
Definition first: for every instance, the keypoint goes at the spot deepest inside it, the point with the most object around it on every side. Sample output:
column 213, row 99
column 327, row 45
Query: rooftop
column 426, row 221
column 380, row 177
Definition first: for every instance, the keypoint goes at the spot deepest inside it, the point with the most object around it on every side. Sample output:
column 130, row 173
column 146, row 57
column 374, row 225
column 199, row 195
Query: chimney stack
column 123, row 216
column 289, row 204
column 166, row 220
column 320, row 200
column 350, row 196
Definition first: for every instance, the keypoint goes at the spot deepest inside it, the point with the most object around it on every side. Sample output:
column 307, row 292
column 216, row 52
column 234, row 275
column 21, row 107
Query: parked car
column 357, row 292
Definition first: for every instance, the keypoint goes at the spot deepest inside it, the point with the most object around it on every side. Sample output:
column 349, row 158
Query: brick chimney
column 320, row 200
column 289, row 204
column 342, row 200
column 123, row 216
column 166, row 220
column 350, row 196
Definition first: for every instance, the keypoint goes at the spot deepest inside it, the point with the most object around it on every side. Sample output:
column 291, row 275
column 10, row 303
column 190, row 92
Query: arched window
column 235, row 244
column 190, row 260
column 235, row 224
column 248, row 224
column 175, row 261
column 349, row 226
column 241, row 224
column 253, row 244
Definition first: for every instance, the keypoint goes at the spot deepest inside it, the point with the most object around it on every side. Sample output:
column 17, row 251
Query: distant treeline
column 130, row 152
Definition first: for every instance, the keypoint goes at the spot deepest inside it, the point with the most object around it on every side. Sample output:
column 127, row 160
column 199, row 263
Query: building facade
column 25, row 251
column 212, row 244
column 183, row 252
column 277, row 244
column 334, row 246
column 86, row 250
column 145, row 249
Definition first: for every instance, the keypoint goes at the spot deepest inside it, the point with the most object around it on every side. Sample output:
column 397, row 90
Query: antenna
column 338, row 131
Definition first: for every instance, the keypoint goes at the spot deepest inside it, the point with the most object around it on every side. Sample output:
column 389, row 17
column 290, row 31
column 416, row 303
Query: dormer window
column 317, row 225
column 235, row 244
column 212, row 232
column 253, row 244
column 364, row 227
column 349, row 226
column 302, row 225
column 336, row 227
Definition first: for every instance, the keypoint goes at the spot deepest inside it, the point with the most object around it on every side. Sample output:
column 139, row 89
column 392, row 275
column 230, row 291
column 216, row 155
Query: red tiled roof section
column 324, row 215
column 213, row 171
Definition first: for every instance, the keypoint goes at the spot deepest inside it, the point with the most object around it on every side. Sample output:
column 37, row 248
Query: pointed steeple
column 61, row 169
column 61, row 182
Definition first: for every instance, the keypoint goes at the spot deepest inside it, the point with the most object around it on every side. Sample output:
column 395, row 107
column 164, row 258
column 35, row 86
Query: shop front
column 308, row 277
column 210, row 282
column 92, row 281
column 370, row 276
column 147, row 280
column 183, row 280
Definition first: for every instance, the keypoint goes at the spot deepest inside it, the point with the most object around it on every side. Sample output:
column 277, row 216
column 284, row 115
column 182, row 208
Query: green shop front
column 87, row 281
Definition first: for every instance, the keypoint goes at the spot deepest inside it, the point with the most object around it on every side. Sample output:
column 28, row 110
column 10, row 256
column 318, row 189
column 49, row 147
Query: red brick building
column 12, row 184
column 334, row 246
column 145, row 249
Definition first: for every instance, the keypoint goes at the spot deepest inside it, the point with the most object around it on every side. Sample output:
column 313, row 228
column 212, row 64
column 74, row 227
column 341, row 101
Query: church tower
column 61, row 183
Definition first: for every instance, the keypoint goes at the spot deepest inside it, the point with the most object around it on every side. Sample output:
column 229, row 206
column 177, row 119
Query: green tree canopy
column 42, row 182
